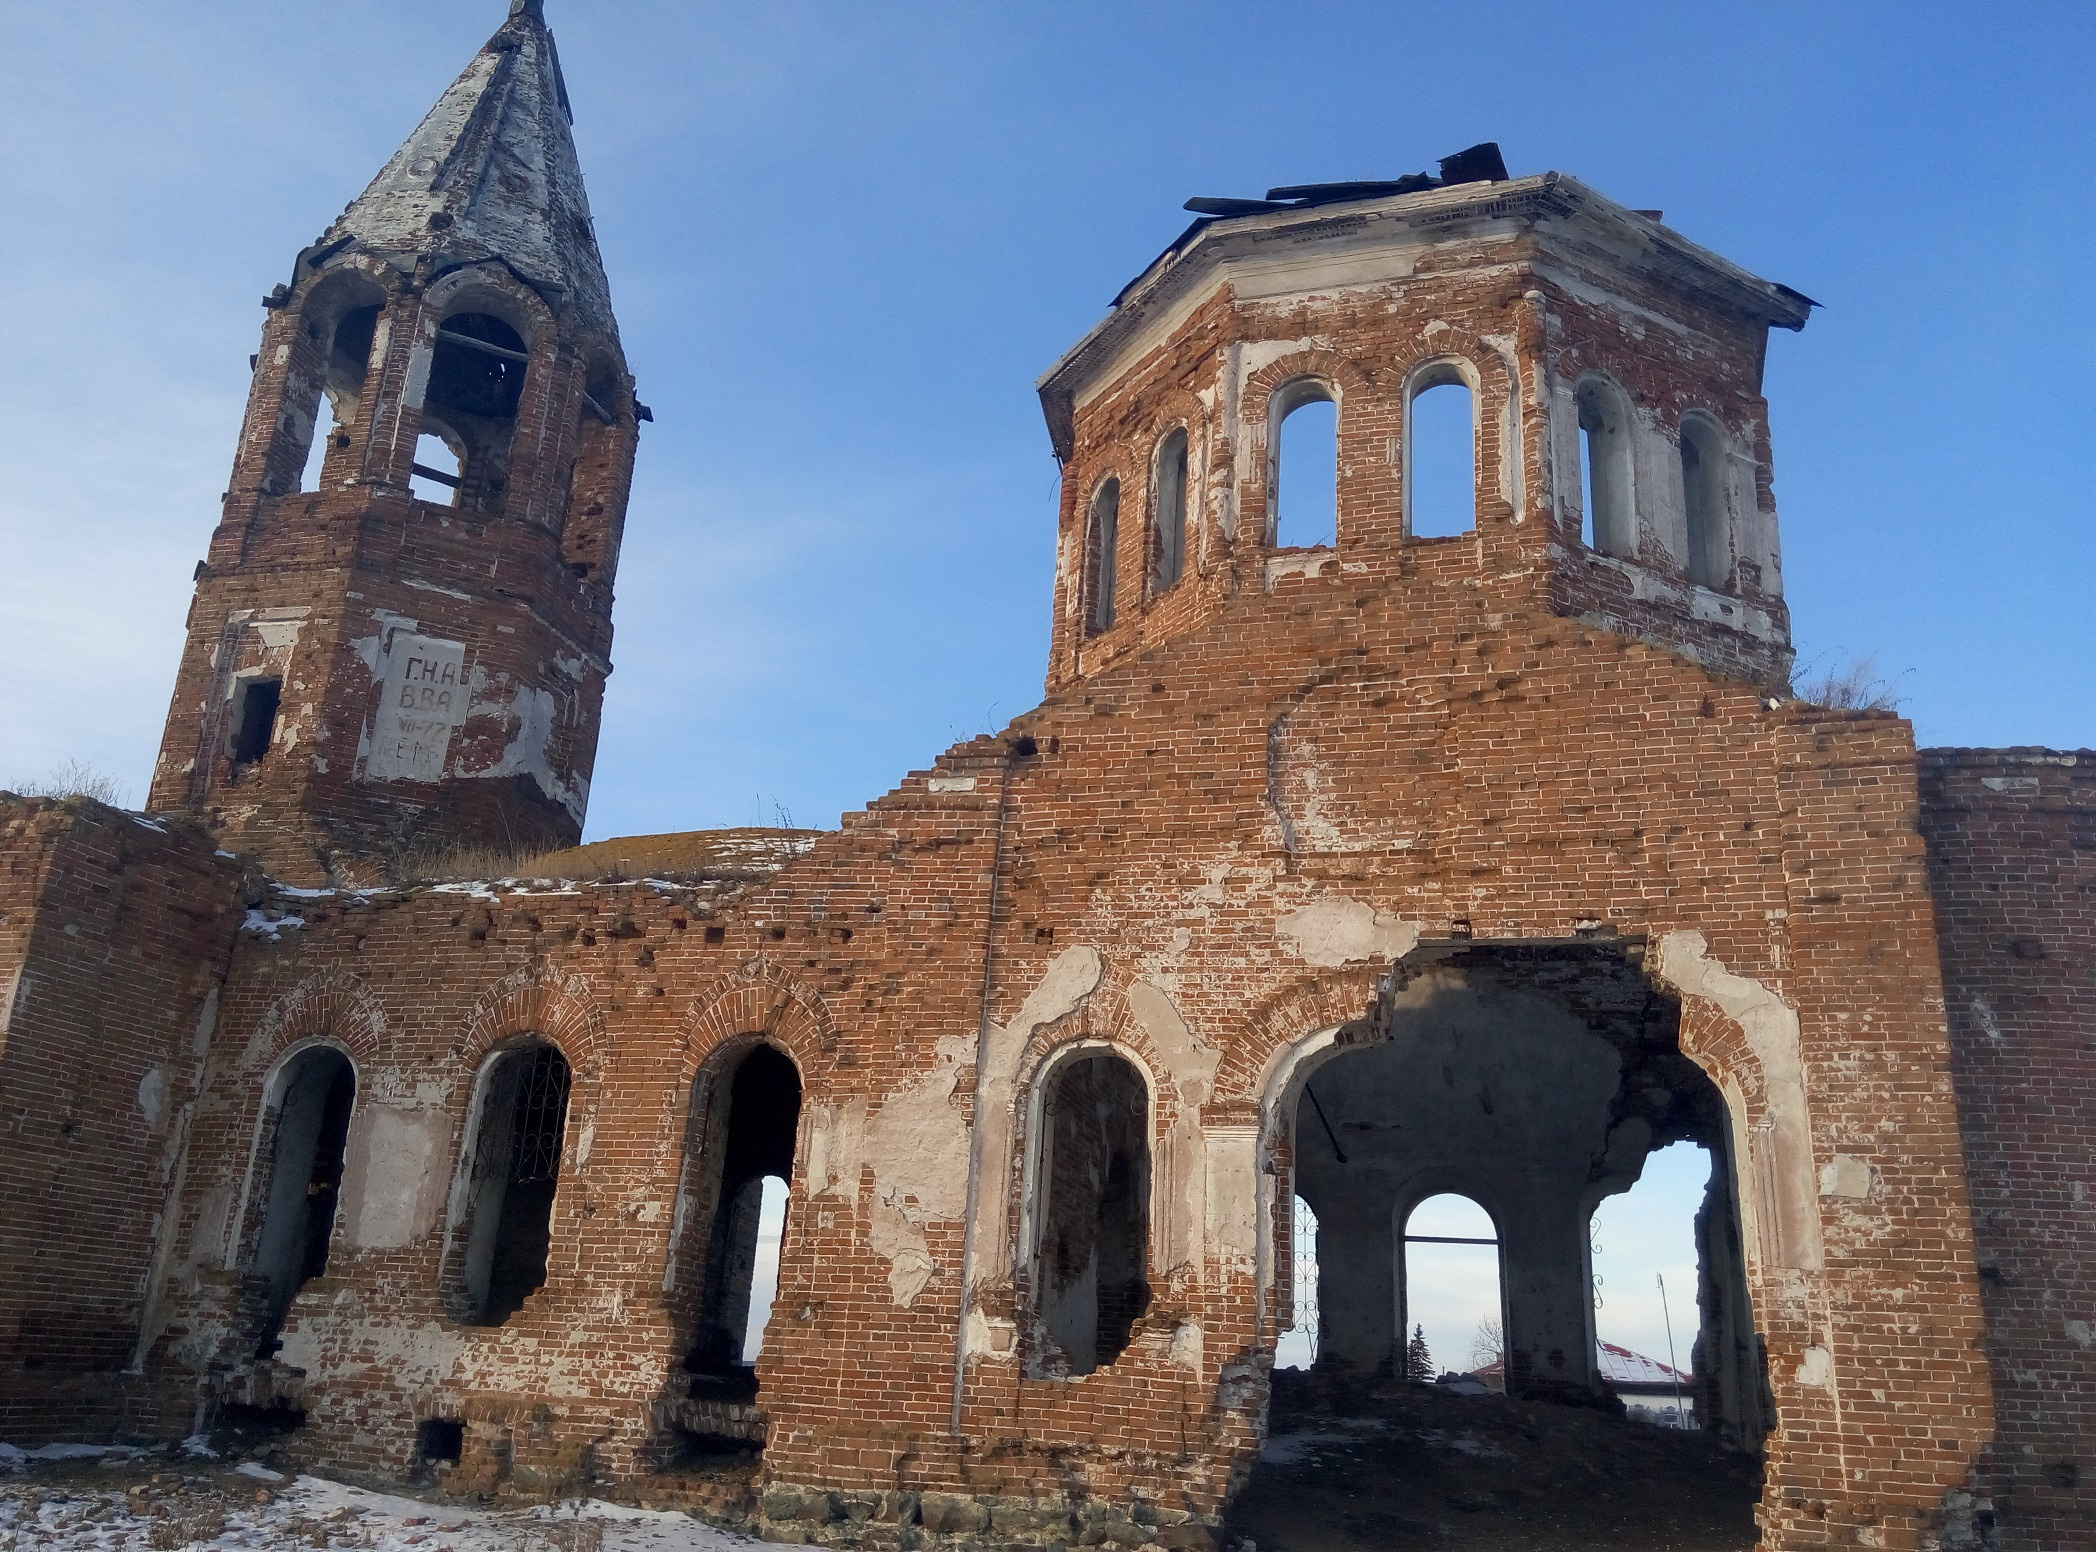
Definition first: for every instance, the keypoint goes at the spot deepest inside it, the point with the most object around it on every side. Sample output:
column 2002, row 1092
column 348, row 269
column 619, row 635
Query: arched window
column 739, row 1185
column 317, row 1089
column 1453, row 1308
column 519, row 1133
column 1168, row 553
column 1092, row 1265
column 1703, row 501
column 476, row 381
column 1303, row 467
column 1604, row 469
column 1102, row 536
column 1440, row 454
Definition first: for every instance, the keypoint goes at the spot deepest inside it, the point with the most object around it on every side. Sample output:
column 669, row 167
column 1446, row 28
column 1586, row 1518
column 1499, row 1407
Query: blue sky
column 844, row 239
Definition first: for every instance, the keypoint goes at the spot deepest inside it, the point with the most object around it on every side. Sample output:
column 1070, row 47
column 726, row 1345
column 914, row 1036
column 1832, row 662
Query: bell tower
column 401, row 631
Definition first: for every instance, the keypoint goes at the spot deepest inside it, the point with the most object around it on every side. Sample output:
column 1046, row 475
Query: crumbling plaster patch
column 1334, row 930
column 1181, row 1172
column 1779, row 1142
column 917, row 1142
column 396, row 1169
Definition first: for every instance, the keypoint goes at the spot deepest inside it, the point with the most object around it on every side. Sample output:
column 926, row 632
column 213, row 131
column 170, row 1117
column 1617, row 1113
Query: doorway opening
column 1452, row 1153
column 1648, row 1270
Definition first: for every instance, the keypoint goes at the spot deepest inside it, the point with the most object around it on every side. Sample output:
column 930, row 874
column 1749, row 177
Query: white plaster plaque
column 422, row 702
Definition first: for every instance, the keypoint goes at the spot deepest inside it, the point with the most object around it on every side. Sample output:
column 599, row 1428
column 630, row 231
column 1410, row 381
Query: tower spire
column 491, row 173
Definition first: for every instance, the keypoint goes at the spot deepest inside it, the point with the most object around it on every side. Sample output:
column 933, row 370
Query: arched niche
column 1088, row 1208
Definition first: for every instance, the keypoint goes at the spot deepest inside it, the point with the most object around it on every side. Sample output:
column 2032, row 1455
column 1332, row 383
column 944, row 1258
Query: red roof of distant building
column 1622, row 1368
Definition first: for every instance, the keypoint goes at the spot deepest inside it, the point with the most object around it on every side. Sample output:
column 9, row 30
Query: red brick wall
column 1543, row 776
column 1234, row 810
column 114, row 935
column 2012, row 859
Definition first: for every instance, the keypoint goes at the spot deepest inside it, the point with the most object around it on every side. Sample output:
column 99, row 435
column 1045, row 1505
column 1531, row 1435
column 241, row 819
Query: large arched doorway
column 1453, row 1151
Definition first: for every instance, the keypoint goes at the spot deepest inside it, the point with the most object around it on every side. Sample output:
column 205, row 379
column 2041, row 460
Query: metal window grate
column 541, row 1118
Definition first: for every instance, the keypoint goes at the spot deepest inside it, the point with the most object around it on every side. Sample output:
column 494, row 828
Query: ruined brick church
column 1513, row 839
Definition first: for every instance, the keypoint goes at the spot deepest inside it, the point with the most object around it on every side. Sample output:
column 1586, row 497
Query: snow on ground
column 121, row 1504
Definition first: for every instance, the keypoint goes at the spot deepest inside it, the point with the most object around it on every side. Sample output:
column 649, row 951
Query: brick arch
column 1321, row 1000
column 539, row 999
column 1102, row 1023
column 1103, row 1019
column 1311, row 361
column 765, row 999
column 495, row 278
column 333, row 1006
column 345, row 279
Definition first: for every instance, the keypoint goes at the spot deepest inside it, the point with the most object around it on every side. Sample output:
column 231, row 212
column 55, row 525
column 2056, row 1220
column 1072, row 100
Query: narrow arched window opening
column 1093, row 1264
column 319, row 1089
column 1609, row 523
column 1452, row 1299
column 327, row 425
column 747, row 1223
column 516, row 1172
column 1303, row 473
column 1703, row 503
column 1297, row 1348
column 1646, row 1250
column 1169, row 550
column 1441, row 454
column 476, row 382
column 1102, row 538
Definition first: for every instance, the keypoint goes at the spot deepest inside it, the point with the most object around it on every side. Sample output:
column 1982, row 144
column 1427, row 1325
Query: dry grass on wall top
column 1850, row 684
column 750, row 853
column 73, row 779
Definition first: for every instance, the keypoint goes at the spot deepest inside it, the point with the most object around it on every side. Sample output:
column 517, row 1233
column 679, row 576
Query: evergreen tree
column 1419, row 1363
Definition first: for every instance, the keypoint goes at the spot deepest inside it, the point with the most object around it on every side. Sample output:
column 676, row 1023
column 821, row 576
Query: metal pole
column 1671, row 1369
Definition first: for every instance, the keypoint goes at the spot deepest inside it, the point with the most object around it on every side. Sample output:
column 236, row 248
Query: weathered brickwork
column 435, row 673
column 114, row 939
column 2012, row 859
column 463, row 1178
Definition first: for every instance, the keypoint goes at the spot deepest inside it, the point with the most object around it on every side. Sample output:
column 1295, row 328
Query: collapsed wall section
column 114, row 934
column 2012, row 862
